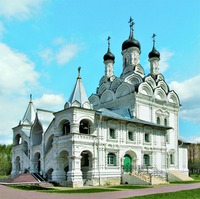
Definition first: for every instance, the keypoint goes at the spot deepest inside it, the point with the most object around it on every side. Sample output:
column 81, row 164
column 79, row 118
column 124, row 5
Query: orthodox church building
column 123, row 133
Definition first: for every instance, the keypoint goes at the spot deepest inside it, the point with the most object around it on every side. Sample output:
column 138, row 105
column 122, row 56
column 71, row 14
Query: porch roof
column 110, row 114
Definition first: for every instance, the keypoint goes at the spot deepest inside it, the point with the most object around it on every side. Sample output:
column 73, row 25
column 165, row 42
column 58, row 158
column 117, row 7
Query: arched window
column 111, row 159
column 158, row 120
column 146, row 160
column 84, row 127
column 66, row 128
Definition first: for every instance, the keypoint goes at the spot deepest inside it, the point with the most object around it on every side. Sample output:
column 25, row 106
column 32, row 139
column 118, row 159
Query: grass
column 63, row 190
column 77, row 190
column 184, row 182
column 3, row 176
column 188, row 194
column 122, row 187
column 196, row 177
column 193, row 194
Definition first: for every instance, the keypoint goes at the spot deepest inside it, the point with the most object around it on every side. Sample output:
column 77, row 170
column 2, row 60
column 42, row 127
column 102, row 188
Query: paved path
column 10, row 193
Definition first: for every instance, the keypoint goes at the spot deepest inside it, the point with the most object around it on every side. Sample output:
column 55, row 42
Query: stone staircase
column 178, row 176
column 25, row 178
column 151, row 176
column 142, row 176
column 155, row 180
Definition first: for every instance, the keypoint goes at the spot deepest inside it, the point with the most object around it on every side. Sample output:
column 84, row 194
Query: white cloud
column 18, row 77
column 66, row 53
column 47, row 55
column 2, row 30
column 189, row 94
column 19, row 9
column 165, row 56
column 61, row 53
column 194, row 139
column 59, row 41
column 17, row 71
column 50, row 102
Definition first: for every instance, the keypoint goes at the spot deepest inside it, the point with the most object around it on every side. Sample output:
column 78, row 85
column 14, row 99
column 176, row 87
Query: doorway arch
column 130, row 161
column 86, row 163
column 127, row 163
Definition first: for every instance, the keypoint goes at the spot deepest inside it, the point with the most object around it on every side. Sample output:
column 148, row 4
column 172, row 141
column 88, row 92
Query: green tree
column 5, row 159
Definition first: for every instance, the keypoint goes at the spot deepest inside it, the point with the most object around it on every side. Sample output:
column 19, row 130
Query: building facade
column 129, row 125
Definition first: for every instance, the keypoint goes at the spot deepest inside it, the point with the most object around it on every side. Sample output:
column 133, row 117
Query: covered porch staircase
column 26, row 178
column 145, row 177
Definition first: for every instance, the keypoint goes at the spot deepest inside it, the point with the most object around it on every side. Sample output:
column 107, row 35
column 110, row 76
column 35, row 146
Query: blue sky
column 43, row 42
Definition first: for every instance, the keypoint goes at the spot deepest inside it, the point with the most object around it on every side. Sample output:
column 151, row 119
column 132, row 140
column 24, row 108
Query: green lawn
column 3, row 176
column 188, row 194
column 196, row 177
column 122, row 187
column 77, row 190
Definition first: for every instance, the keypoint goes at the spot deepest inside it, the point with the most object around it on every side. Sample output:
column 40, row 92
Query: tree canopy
column 5, row 159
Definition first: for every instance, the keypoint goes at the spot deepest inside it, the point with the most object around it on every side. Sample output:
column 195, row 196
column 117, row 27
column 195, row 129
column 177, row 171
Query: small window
column 171, row 158
column 146, row 137
column 112, row 159
column 130, row 135
column 165, row 122
column 167, row 137
column 112, row 134
column 146, row 160
column 158, row 120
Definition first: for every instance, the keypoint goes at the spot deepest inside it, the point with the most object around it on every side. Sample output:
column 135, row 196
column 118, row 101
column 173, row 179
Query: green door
column 127, row 163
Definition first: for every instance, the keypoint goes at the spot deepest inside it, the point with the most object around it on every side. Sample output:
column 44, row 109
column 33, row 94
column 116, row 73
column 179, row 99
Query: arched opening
column 25, row 147
column 18, row 166
column 84, row 127
column 127, row 163
column 49, row 174
column 49, row 143
column 37, row 162
column 86, row 163
column 37, row 134
column 17, row 140
column 63, row 163
column 66, row 128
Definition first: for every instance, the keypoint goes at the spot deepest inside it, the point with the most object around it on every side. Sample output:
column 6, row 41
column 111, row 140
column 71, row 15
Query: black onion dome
column 109, row 56
column 154, row 53
column 131, row 42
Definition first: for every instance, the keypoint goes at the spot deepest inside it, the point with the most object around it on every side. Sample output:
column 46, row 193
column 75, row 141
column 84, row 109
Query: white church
column 127, row 132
